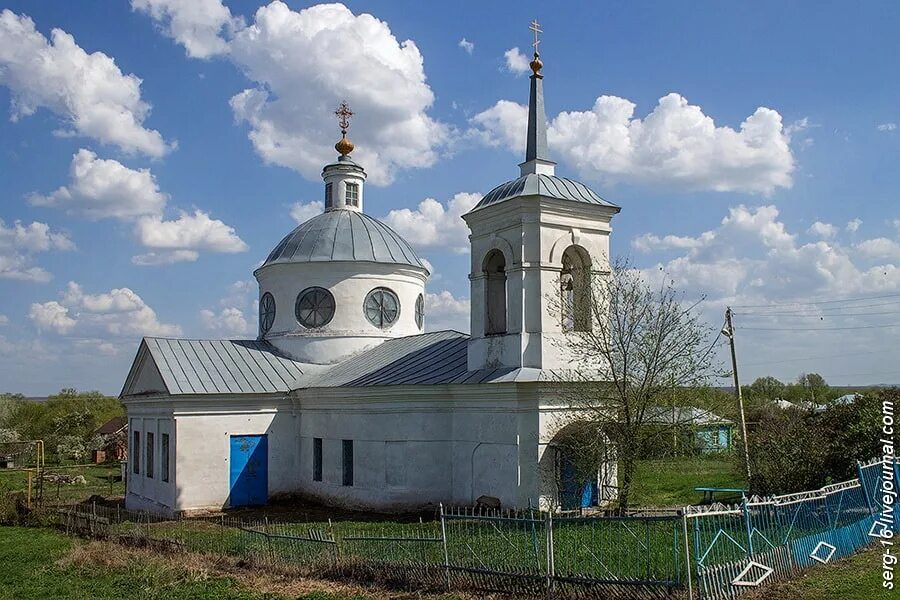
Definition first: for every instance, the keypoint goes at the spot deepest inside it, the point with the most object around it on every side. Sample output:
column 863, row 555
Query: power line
column 829, row 315
column 858, row 299
column 824, row 308
column 885, row 326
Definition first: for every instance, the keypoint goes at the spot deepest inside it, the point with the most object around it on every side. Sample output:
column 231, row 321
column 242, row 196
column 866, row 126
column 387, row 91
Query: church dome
column 344, row 235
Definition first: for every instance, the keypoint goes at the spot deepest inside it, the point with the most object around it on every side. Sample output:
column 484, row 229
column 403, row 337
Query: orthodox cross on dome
column 536, row 28
column 343, row 113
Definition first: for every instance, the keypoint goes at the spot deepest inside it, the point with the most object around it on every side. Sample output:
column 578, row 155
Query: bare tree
column 631, row 344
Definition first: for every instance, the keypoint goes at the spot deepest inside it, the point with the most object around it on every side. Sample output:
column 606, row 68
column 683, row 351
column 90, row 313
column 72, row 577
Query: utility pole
column 729, row 331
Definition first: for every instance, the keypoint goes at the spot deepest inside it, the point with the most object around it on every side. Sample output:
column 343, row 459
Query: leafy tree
column 642, row 343
column 64, row 418
column 815, row 387
column 764, row 390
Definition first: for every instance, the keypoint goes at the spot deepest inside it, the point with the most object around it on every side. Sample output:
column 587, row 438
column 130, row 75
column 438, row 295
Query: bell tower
column 536, row 242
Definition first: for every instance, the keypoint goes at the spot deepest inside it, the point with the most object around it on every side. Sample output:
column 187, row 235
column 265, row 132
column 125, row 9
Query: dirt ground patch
column 199, row 567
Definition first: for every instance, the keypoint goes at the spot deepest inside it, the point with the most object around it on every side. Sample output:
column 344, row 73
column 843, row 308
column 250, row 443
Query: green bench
column 709, row 493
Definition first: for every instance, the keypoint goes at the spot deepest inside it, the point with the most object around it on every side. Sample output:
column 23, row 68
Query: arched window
column 575, row 290
column 494, row 269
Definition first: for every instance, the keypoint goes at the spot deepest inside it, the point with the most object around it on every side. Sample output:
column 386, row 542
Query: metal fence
column 714, row 552
column 733, row 549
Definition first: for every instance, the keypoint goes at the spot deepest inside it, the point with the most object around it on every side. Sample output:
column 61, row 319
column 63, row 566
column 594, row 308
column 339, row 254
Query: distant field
column 671, row 482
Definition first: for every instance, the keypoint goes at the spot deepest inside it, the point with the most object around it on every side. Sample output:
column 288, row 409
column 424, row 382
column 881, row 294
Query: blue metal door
column 573, row 493
column 249, row 470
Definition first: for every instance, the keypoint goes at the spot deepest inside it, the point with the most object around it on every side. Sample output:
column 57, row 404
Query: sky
column 154, row 151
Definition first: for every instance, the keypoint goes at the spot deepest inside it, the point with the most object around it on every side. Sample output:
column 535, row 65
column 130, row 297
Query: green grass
column 33, row 569
column 855, row 578
column 671, row 482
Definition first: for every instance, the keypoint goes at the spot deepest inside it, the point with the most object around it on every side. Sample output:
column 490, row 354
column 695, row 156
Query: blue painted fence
column 736, row 549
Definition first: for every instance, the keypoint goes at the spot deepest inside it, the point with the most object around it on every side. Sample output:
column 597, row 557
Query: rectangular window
column 328, row 195
column 149, row 472
column 317, row 459
column 352, row 194
column 136, row 453
column 164, row 450
column 348, row 462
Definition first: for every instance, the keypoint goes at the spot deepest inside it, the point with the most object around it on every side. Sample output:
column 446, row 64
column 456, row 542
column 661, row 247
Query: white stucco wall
column 419, row 445
column 143, row 492
column 349, row 282
column 413, row 445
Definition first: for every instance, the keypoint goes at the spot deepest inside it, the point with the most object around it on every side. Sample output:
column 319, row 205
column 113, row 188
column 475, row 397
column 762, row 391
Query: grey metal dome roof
column 551, row 186
column 344, row 235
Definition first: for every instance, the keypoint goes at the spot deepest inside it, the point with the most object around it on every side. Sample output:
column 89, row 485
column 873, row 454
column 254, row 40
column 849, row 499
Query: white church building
column 344, row 398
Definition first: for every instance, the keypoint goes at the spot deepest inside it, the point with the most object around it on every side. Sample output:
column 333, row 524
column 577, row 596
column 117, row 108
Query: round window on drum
column 420, row 311
column 314, row 307
column 266, row 312
column 382, row 307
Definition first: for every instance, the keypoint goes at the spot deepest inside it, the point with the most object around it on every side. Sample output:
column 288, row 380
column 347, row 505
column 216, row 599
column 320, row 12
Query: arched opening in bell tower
column 575, row 289
column 494, row 268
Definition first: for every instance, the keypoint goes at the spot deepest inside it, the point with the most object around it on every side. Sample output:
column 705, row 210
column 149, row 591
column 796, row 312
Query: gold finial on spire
column 536, row 64
column 343, row 112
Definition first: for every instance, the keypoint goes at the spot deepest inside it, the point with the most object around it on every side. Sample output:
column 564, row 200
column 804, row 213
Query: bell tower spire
column 537, row 156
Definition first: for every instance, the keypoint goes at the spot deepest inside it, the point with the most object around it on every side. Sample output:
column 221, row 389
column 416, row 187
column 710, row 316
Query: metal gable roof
column 428, row 358
column 222, row 366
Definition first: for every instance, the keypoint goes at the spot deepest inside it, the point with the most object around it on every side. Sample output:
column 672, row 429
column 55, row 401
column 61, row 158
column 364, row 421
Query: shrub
column 793, row 450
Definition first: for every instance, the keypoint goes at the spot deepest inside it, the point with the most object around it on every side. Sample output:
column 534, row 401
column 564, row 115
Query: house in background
column 708, row 432
column 114, row 437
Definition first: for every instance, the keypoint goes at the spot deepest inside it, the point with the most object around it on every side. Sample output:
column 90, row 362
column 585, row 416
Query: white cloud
column 880, row 248
column 105, row 188
column 199, row 25
column 101, row 188
column 649, row 242
column 52, row 316
column 87, row 91
column 305, row 62
column 516, row 62
column 853, row 225
column 753, row 257
column 433, row 225
column 118, row 313
column 823, row 230
column 466, row 45
column 155, row 259
column 887, row 127
column 303, row 212
column 444, row 311
column 4, row 320
column 227, row 322
column 676, row 145
column 18, row 245
column 194, row 232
